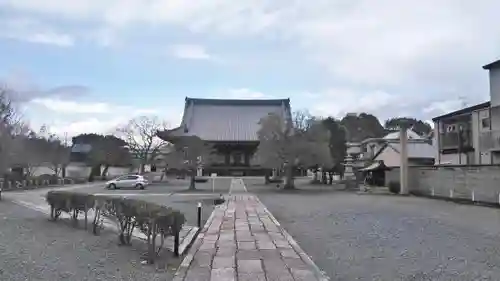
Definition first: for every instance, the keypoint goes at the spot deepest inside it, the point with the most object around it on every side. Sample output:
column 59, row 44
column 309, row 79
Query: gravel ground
column 374, row 237
column 33, row 248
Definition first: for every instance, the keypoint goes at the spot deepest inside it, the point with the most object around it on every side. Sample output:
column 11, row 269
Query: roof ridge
column 209, row 101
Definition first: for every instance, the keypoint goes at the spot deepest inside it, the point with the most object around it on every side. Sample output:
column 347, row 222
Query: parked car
column 128, row 181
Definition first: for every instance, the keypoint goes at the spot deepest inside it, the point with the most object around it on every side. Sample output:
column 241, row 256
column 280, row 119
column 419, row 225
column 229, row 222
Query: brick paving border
column 243, row 241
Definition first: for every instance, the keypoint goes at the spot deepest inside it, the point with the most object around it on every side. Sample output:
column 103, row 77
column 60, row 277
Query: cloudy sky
column 81, row 66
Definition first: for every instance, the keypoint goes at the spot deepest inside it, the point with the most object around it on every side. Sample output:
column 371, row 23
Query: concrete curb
column 52, row 187
column 318, row 273
column 181, row 272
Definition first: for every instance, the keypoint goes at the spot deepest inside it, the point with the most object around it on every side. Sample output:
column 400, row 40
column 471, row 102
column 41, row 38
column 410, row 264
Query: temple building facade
column 231, row 127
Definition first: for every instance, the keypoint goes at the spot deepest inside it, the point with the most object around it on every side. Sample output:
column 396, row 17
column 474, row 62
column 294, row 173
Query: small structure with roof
column 388, row 148
column 231, row 126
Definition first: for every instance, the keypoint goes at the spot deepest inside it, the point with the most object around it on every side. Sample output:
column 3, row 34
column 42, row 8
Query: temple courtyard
column 388, row 237
column 347, row 235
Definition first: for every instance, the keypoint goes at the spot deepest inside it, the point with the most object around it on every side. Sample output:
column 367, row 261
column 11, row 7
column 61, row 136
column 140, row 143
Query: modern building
column 231, row 126
column 387, row 150
column 458, row 135
column 471, row 136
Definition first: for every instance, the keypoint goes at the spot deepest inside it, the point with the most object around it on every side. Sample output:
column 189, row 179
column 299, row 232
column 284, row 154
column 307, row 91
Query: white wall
column 452, row 159
column 495, row 86
column 390, row 157
column 77, row 171
column 495, row 118
column 435, row 142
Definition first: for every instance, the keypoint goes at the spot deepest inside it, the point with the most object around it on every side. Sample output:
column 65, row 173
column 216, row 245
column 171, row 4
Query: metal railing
column 452, row 139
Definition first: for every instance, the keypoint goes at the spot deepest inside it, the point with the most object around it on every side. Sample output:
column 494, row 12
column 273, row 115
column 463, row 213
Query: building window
column 451, row 128
column 485, row 123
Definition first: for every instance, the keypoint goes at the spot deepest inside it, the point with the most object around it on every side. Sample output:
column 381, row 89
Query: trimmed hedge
column 394, row 187
column 153, row 220
column 200, row 179
column 276, row 180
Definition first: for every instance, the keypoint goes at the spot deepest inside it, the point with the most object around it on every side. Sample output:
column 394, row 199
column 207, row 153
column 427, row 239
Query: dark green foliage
column 418, row 126
column 362, row 126
column 276, row 180
column 155, row 221
column 105, row 150
column 200, row 179
column 394, row 187
column 52, row 179
column 338, row 148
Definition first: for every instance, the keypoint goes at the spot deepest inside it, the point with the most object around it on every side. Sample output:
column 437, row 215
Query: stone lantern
column 353, row 149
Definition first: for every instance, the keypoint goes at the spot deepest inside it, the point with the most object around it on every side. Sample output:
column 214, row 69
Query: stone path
column 243, row 241
column 35, row 200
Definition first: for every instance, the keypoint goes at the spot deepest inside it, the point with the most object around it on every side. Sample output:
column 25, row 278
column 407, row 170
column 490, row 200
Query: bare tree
column 33, row 150
column 57, row 155
column 142, row 141
column 10, row 127
column 189, row 153
column 285, row 144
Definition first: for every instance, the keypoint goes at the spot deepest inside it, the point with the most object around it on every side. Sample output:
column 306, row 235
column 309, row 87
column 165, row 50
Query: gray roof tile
column 229, row 120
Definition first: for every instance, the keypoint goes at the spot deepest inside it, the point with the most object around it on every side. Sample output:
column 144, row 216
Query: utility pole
column 403, row 135
column 64, row 165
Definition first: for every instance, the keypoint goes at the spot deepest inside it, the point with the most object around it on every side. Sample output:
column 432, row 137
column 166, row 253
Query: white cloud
column 338, row 102
column 32, row 31
column 445, row 106
column 192, row 52
column 87, row 125
column 245, row 93
column 363, row 41
column 382, row 53
column 50, row 38
column 75, row 117
column 68, row 106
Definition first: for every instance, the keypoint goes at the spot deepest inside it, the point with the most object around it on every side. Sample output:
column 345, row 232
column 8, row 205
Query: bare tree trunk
column 86, row 216
column 163, row 174
column 315, row 175
column 192, row 183
column 323, row 177
column 289, row 179
column 152, row 242
column 105, row 172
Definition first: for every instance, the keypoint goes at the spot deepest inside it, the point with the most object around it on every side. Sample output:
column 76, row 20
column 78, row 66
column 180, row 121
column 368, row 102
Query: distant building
column 471, row 136
column 387, row 150
column 231, row 126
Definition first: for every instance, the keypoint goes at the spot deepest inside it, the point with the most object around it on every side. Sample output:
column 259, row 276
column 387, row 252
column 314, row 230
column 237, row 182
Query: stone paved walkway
column 243, row 241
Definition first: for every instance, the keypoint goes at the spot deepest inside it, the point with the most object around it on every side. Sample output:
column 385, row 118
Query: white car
column 128, row 181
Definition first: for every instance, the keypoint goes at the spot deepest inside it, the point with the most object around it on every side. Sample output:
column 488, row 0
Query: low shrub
column 51, row 179
column 394, row 187
column 69, row 202
column 315, row 181
column 13, row 177
column 153, row 220
column 200, row 179
column 275, row 180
